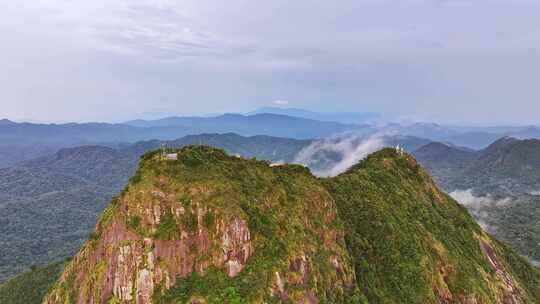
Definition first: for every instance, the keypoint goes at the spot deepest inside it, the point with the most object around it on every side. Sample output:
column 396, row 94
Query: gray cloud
column 420, row 59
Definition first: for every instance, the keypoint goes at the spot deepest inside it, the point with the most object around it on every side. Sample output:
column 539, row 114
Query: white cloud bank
column 334, row 155
column 478, row 206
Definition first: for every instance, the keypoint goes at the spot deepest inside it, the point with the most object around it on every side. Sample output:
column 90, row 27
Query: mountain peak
column 206, row 227
column 341, row 117
column 501, row 142
column 209, row 218
column 398, row 222
column 435, row 146
column 386, row 159
column 6, row 122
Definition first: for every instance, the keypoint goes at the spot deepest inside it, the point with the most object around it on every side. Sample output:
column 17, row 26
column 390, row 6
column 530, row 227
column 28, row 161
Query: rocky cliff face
column 210, row 228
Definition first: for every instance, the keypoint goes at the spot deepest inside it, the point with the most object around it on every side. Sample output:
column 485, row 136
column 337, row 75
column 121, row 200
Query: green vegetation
column 288, row 212
column 401, row 228
column 273, row 201
column 168, row 228
column 30, row 287
column 134, row 222
column 214, row 286
column 189, row 222
column 51, row 204
column 209, row 220
column 501, row 178
column 514, row 220
column 382, row 232
column 528, row 276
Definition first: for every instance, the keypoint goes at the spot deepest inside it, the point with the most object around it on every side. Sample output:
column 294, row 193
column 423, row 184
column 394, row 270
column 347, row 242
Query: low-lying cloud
column 483, row 208
column 479, row 206
column 334, row 155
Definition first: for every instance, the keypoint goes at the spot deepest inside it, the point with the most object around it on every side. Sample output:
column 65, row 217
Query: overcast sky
column 459, row 61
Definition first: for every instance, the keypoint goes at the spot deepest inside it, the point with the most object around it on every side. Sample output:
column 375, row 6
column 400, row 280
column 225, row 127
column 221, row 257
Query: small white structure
column 400, row 150
column 171, row 156
column 278, row 164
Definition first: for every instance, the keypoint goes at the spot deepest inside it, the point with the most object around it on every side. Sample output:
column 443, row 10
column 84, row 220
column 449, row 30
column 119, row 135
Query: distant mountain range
column 256, row 124
column 499, row 185
column 24, row 141
column 508, row 166
column 342, row 117
column 170, row 128
column 444, row 162
column 471, row 137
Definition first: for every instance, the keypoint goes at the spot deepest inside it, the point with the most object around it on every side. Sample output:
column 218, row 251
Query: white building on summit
column 400, row 150
column 171, row 156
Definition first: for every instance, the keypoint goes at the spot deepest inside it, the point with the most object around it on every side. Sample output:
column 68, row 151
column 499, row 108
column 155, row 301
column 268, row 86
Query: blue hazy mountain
column 256, row 124
column 342, row 117
column 24, row 141
column 476, row 138
column 169, row 128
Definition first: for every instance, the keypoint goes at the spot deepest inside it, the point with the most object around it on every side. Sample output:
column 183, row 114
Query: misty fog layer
column 490, row 211
column 479, row 206
column 334, row 155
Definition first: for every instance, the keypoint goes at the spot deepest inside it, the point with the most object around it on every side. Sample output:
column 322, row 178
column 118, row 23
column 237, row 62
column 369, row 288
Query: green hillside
column 49, row 206
column 212, row 228
column 412, row 243
column 31, row 286
column 503, row 180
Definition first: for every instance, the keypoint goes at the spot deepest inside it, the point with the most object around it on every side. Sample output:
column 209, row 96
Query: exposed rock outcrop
column 178, row 221
column 209, row 228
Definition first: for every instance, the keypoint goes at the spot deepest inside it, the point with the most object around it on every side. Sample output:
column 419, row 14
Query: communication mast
column 162, row 150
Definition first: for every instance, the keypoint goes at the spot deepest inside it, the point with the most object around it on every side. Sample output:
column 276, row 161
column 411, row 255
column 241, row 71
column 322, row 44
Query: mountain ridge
column 383, row 221
column 212, row 206
column 24, row 141
column 507, row 160
column 343, row 117
column 50, row 204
